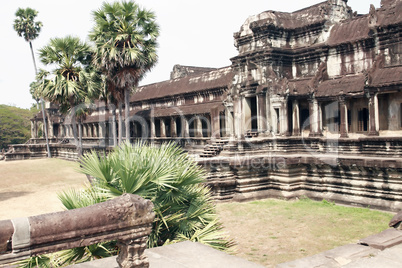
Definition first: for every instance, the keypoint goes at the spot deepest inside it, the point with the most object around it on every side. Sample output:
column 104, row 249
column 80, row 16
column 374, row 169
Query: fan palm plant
column 74, row 84
column 166, row 176
column 26, row 26
column 125, row 49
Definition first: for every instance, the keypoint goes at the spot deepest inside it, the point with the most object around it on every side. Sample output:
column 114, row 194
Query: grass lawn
column 268, row 231
column 273, row 231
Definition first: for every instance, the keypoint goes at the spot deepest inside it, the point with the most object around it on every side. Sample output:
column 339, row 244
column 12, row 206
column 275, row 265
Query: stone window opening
column 278, row 121
column 157, row 123
column 178, row 127
column 304, row 118
column 362, row 120
column 400, row 116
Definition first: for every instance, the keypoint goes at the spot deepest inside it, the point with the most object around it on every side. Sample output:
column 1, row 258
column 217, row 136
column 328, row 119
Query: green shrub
column 165, row 175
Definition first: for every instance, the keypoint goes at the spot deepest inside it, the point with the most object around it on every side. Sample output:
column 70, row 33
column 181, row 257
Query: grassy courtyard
column 273, row 231
column 267, row 232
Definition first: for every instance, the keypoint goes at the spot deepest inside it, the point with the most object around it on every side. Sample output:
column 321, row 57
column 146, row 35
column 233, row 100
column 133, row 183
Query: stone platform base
column 181, row 255
column 381, row 250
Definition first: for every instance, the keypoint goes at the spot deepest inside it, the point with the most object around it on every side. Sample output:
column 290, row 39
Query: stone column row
column 185, row 126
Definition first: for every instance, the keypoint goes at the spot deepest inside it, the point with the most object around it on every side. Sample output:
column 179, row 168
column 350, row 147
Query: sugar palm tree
column 27, row 27
column 75, row 82
column 125, row 48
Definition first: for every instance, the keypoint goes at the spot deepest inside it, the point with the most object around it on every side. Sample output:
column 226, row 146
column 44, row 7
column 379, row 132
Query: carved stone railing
column 127, row 219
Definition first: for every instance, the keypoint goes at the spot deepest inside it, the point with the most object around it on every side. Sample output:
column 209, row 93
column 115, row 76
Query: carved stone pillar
column 344, row 118
column 261, row 113
column 237, row 117
column 33, row 132
column 50, row 128
column 173, row 128
column 132, row 253
column 314, row 118
column 62, row 130
column 163, row 128
column 216, row 124
column 153, row 131
column 284, row 118
column 229, row 124
column 373, row 115
column 185, row 132
column 295, row 118
column 269, row 112
column 36, row 128
column 198, row 127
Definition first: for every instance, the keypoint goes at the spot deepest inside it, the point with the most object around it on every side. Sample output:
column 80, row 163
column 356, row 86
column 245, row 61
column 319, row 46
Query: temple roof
column 189, row 109
column 202, row 82
column 299, row 87
column 350, row 30
column 386, row 77
column 389, row 13
column 345, row 85
column 284, row 20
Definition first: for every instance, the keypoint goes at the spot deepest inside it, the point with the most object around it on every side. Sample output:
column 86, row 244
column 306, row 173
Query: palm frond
column 41, row 261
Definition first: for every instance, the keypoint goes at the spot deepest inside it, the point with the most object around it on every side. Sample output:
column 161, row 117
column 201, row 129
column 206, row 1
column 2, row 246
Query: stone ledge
column 379, row 250
column 336, row 257
column 181, row 255
column 383, row 240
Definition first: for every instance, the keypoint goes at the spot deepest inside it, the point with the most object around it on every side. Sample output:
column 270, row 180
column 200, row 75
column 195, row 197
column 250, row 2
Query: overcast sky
column 193, row 32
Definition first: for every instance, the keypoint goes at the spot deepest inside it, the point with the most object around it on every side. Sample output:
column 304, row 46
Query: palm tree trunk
column 79, row 147
column 33, row 57
column 127, row 113
column 49, row 155
column 74, row 125
column 114, row 130
column 120, row 122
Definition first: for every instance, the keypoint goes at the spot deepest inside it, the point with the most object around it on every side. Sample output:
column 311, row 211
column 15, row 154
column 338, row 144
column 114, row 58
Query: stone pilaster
column 153, row 131
column 295, row 118
column 315, row 118
column 163, row 128
column 185, row 127
column 261, row 113
column 373, row 115
column 173, row 128
column 344, row 118
column 284, row 118
column 198, row 127
column 215, row 124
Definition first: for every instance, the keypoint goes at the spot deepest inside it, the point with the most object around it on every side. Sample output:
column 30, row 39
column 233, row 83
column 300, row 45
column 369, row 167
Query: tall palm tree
column 27, row 27
column 75, row 82
column 125, row 48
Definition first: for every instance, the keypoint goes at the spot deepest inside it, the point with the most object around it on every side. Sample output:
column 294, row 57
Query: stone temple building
column 311, row 105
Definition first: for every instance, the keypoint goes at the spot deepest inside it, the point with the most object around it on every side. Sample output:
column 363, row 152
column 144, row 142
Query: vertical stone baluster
column 132, row 253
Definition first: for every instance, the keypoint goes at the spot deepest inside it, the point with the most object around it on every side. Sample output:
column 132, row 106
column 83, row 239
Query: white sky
column 193, row 32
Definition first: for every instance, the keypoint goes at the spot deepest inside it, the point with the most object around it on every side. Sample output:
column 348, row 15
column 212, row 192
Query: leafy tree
column 125, row 39
column 75, row 82
column 26, row 26
column 15, row 125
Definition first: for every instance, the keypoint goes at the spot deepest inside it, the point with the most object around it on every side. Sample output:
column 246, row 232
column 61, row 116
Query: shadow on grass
column 8, row 195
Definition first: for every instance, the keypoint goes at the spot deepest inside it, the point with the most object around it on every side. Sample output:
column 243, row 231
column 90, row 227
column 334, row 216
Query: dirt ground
column 33, row 189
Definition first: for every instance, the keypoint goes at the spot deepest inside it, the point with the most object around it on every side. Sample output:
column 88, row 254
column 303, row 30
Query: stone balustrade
column 127, row 219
